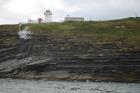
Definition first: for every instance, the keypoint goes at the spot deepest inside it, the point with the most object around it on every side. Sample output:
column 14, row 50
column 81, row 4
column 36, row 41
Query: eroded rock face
column 43, row 57
column 8, row 45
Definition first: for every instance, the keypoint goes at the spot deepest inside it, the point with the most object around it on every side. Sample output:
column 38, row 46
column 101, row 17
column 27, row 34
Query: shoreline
column 73, row 80
column 98, row 81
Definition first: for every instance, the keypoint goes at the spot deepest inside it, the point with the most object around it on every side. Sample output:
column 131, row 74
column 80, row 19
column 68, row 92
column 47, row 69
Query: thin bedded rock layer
column 44, row 57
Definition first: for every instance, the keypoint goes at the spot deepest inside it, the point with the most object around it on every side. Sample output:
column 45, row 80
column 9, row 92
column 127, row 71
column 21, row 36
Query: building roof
column 74, row 18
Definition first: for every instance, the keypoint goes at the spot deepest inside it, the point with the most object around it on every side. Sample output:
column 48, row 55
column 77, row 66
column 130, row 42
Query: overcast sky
column 15, row 11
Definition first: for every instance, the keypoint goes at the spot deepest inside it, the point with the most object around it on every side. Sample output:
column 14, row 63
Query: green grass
column 8, row 27
column 7, row 37
column 127, row 29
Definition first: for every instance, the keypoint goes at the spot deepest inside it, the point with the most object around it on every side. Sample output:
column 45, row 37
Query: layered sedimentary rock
column 8, row 42
column 44, row 57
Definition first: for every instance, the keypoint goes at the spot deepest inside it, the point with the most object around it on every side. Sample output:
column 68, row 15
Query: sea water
column 44, row 86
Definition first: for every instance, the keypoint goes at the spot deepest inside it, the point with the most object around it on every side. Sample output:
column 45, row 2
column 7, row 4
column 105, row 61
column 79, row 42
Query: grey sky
column 14, row 11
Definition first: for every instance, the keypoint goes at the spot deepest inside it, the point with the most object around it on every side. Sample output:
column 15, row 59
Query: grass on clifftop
column 127, row 29
column 9, row 28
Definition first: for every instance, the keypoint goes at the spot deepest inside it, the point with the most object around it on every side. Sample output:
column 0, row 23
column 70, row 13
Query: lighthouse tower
column 48, row 16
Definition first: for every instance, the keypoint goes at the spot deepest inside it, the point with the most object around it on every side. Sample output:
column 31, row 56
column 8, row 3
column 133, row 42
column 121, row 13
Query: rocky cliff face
column 44, row 57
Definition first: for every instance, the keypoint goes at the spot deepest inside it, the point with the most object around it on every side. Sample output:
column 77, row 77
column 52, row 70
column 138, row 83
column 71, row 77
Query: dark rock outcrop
column 43, row 57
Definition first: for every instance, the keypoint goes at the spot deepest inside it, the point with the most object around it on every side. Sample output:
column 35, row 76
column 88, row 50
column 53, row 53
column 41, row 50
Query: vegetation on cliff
column 8, row 35
column 8, row 28
column 127, row 29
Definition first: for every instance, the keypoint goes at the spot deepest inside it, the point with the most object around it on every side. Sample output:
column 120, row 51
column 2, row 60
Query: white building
column 48, row 16
column 74, row 18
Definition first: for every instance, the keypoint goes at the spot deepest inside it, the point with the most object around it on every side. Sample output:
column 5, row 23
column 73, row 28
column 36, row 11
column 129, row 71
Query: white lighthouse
column 48, row 16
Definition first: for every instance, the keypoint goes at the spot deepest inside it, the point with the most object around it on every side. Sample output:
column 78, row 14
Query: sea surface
column 44, row 86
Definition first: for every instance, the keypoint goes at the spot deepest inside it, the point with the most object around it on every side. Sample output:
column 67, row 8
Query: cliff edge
column 98, row 51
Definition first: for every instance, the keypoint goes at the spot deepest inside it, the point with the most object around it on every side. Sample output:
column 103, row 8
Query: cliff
column 71, row 55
